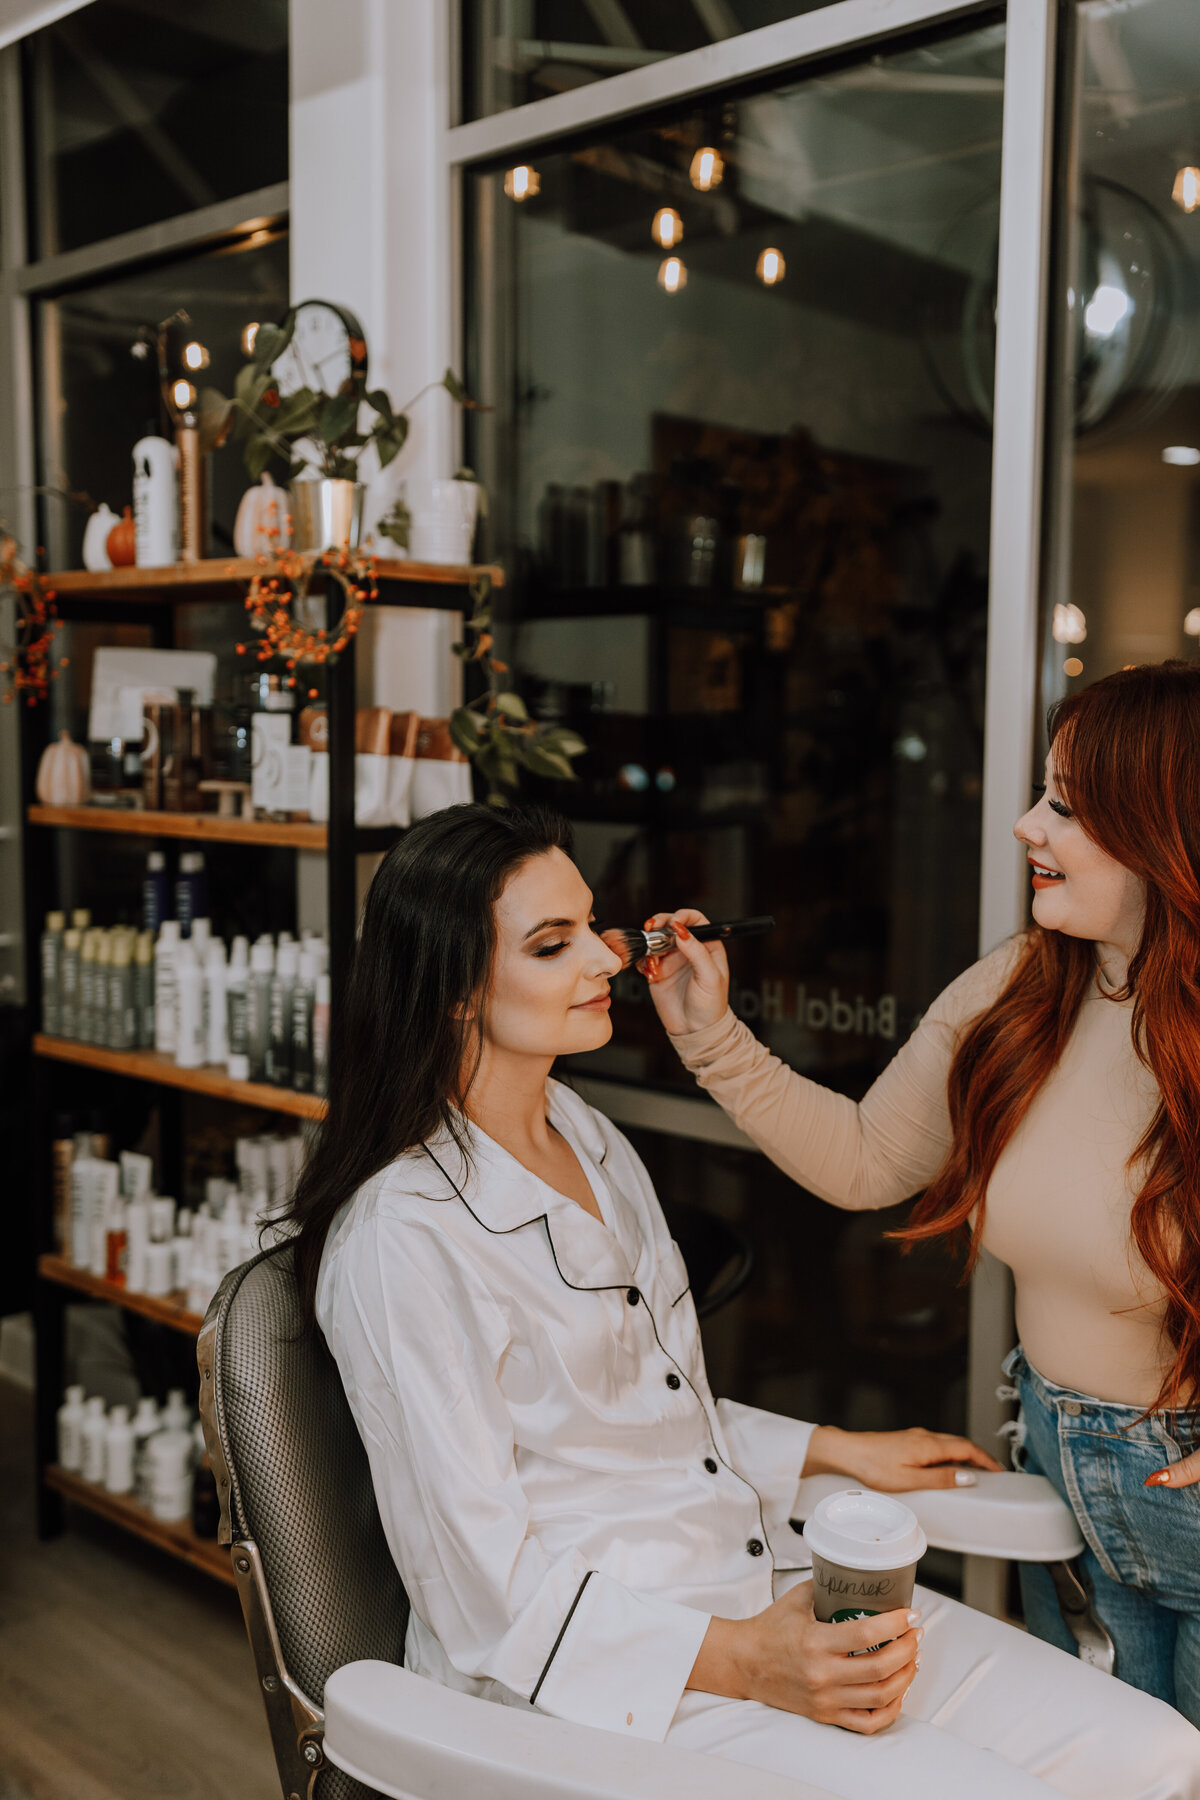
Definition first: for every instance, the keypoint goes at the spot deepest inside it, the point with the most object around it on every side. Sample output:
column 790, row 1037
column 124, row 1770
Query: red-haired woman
column 1048, row 1104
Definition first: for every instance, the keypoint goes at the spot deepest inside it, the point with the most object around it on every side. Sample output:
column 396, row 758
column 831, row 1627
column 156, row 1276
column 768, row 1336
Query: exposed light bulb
column 183, row 394
column 667, row 228
column 1191, row 622
column 1105, row 310
column 522, row 182
column 195, row 356
column 1069, row 625
column 770, row 267
column 672, row 274
column 1181, row 456
column 1072, row 666
column 249, row 335
column 707, row 170
column 1186, row 191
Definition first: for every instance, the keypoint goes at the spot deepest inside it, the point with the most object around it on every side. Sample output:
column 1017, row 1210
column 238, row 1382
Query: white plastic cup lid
column 861, row 1530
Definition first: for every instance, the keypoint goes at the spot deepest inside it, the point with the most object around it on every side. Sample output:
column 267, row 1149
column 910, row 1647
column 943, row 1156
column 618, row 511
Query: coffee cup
column 865, row 1550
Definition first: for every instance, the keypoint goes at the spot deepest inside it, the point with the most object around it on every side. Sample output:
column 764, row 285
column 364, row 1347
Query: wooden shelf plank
column 199, row 827
column 178, row 1539
column 228, row 572
column 167, row 1309
column 147, row 1065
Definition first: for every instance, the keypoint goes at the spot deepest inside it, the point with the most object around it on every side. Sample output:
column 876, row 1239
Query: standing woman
column 1048, row 1104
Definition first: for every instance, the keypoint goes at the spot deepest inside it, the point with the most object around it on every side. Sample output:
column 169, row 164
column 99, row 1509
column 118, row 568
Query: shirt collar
column 503, row 1195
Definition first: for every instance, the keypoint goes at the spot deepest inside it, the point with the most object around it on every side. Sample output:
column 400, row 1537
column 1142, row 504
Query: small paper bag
column 371, row 734
column 402, row 745
column 441, row 773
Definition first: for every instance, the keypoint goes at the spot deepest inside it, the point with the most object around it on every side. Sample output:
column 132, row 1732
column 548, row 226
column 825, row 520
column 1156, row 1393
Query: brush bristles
column 630, row 946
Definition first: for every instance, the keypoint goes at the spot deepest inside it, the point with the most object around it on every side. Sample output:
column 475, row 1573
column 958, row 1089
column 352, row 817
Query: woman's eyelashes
column 1056, row 806
column 555, row 949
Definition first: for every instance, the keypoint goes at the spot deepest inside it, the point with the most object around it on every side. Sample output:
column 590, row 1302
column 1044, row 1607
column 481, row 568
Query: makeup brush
column 632, row 945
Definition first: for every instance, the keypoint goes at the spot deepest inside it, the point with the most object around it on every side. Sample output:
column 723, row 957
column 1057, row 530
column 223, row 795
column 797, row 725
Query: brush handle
column 734, row 928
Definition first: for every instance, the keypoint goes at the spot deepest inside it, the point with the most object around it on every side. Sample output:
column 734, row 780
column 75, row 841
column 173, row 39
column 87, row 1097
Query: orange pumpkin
column 122, row 542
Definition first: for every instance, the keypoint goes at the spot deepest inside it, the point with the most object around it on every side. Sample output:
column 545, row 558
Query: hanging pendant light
column 1186, row 191
column 522, row 183
column 667, row 229
column 707, row 169
column 672, row 274
column 770, row 267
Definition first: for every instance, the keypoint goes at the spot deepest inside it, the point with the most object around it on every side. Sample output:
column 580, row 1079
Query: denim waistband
column 1105, row 1415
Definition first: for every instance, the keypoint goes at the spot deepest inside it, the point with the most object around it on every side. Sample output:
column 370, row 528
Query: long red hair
column 1127, row 760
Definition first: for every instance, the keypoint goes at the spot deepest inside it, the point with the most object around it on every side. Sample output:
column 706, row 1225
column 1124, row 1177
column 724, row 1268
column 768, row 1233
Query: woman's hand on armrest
column 896, row 1462
column 834, row 1674
column 689, row 985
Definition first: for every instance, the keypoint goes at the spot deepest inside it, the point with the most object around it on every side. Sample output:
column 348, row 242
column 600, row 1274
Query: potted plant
column 303, row 396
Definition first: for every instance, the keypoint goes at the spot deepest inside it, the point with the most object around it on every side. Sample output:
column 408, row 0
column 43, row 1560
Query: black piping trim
column 558, row 1640
column 621, row 1287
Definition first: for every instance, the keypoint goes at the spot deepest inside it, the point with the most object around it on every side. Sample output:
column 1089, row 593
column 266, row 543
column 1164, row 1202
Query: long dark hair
column 406, row 1036
column 1127, row 752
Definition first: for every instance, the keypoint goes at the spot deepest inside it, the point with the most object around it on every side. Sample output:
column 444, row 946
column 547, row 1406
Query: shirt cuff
column 622, row 1660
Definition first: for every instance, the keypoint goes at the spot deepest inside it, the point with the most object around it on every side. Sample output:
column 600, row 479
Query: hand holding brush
column 683, row 959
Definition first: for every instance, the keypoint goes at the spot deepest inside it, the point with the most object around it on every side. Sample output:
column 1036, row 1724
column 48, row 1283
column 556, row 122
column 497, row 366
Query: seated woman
column 579, row 1525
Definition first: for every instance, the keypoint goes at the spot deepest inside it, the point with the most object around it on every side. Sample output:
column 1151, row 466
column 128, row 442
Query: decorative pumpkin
column 95, row 538
column 262, row 525
column 62, row 777
column 122, row 542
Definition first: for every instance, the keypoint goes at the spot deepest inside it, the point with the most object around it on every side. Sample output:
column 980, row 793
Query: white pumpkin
column 263, row 510
column 95, row 539
column 62, row 777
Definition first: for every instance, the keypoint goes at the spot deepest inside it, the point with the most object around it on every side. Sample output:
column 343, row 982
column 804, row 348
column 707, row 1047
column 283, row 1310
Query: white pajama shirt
column 568, row 1505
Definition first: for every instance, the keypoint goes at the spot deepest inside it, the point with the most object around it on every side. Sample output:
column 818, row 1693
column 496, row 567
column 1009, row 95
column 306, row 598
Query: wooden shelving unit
column 151, row 600
column 168, row 1309
column 148, row 1065
column 178, row 1539
column 202, row 828
column 180, row 580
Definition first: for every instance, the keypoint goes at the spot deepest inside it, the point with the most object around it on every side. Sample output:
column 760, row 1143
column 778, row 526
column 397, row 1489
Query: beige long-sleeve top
column 1059, row 1201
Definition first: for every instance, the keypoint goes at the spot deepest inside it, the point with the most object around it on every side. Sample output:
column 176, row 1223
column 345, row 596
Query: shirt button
column 1072, row 1408
column 754, row 1547
column 633, row 1296
column 672, row 1380
column 710, row 1465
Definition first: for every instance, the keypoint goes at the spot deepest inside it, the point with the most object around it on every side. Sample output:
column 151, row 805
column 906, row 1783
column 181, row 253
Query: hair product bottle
column 216, row 1044
column 105, row 944
column 143, row 990
column 92, row 1433
column 154, row 891
column 262, row 967
column 279, row 1046
column 118, row 1452
column 52, row 954
column 62, row 1155
column 86, row 1025
column 320, row 1036
column 191, row 891
column 68, row 993
column 189, row 980
column 166, row 951
column 145, row 1424
column 303, row 995
column 122, row 1011
column 71, row 1415
column 237, row 1013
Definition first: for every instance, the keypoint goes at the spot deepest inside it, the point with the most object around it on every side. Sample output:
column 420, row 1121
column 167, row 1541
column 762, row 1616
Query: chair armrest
column 409, row 1737
column 1021, row 1517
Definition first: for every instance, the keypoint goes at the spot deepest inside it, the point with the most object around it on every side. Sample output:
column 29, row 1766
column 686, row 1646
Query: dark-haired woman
column 1049, row 1105
column 579, row 1525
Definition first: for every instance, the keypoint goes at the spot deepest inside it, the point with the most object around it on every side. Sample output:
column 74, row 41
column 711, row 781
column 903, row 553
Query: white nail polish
column 964, row 1478
column 920, row 1633
column 914, row 1618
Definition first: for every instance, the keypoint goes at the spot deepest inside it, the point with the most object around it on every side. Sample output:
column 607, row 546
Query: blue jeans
column 1142, row 1557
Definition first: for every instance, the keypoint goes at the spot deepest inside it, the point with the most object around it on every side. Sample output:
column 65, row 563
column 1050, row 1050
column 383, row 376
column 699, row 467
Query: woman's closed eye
column 555, row 949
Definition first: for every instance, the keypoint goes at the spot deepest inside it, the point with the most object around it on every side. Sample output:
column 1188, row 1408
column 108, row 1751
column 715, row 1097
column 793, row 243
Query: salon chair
column 326, row 1612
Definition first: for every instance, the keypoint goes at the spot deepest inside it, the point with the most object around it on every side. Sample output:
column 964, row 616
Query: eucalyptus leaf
column 382, row 405
column 463, row 735
column 569, row 743
column 257, row 455
column 547, row 762
column 454, row 387
column 337, row 416
column 512, row 706
column 270, row 341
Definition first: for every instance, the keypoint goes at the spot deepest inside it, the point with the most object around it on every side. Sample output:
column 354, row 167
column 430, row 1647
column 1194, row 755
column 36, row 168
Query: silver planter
column 327, row 515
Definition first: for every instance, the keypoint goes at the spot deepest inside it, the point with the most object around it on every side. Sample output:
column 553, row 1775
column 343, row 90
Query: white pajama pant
column 993, row 1715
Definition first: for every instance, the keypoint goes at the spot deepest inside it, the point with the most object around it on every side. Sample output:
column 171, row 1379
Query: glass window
column 100, row 390
column 743, row 494
column 527, row 50
column 142, row 109
column 1124, row 575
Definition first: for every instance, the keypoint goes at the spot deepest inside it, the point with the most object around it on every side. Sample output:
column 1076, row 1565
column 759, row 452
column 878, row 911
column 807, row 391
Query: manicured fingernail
column 649, row 925
column 964, row 1478
column 682, row 931
column 1162, row 1479
column 920, row 1633
column 914, row 1618
column 918, row 1662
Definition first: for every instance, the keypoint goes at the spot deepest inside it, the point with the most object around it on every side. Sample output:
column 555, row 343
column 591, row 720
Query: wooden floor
column 124, row 1675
